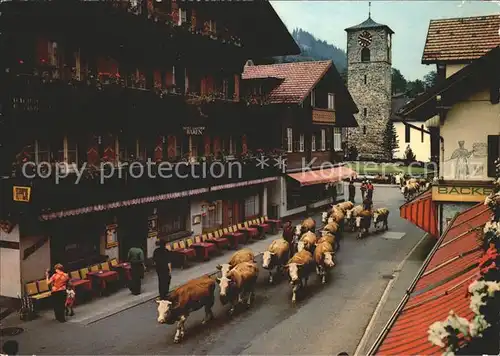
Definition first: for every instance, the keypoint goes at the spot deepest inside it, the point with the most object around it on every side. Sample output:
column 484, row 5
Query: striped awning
column 441, row 285
column 422, row 212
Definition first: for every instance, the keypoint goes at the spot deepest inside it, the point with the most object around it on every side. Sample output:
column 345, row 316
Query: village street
column 330, row 319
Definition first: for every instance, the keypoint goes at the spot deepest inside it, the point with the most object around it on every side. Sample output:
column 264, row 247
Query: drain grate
column 11, row 331
column 387, row 276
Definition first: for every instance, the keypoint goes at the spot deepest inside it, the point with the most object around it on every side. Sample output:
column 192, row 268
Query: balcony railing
column 56, row 189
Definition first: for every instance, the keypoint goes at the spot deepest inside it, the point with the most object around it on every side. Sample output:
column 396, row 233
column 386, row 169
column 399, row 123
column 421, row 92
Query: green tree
column 430, row 79
column 414, row 88
column 409, row 156
column 390, row 140
column 399, row 82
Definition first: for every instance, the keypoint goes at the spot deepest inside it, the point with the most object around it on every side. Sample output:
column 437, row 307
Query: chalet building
column 303, row 107
column 462, row 112
column 138, row 105
column 418, row 141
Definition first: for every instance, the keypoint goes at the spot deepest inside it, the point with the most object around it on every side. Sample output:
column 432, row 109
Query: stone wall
column 374, row 96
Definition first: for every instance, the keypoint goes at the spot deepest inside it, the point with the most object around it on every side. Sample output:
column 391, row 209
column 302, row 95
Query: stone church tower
column 369, row 80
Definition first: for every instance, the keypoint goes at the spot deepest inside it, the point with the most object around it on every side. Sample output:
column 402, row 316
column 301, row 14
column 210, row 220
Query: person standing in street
column 369, row 190
column 58, row 282
column 288, row 231
column 352, row 191
column 70, row 299
column 163, row 264
column 363, row 189
column 136, row 259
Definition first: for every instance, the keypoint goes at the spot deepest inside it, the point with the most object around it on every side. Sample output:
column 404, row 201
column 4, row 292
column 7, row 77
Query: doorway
column 132, row 231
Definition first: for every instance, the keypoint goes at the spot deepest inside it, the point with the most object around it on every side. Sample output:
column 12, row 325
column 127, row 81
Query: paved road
column 329, row 319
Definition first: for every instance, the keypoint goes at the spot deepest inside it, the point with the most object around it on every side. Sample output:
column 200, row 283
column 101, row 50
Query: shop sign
column 197, row 131
column 111, row 236
column 153, row 226
column 22, row 194
column 460, row 193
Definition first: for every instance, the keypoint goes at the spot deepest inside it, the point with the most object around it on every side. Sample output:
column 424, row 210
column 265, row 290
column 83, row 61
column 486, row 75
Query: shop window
column 252, row 206
column 289, row 139
column 172, row 223
column 42, row 151
column 337, row 139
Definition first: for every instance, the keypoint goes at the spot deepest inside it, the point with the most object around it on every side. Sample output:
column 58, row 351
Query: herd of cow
column 299, row 259
column 412, row 187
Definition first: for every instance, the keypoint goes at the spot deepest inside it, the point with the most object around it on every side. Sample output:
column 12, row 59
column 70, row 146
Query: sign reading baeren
column 460, row 193
column 194, row 130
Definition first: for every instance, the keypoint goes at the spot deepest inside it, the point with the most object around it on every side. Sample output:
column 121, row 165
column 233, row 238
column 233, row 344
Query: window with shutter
column 301, row 143
column 493, row 154
column 289, row 139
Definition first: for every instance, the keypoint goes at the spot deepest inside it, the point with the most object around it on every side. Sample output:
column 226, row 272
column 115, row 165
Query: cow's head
column 293, row 272
column 164, row 310
column 348, row 214
column 324, row 217
column 358, row 221
column 375, row 217
column 267, row 258
column 224, row 268
column 300, row 246
column 225, row 283
column 331, row 220
column 329, row 259
column 403, row 189
column 298, row 230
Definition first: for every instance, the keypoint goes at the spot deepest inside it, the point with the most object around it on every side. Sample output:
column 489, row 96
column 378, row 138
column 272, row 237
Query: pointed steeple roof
column 369, row 24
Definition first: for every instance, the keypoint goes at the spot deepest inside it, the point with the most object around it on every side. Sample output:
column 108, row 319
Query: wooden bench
column 217, row 239
column 38, row 290
column 232, row 234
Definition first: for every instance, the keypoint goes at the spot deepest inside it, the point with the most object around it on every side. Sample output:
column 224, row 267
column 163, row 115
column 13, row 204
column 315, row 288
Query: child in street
column 70, row 299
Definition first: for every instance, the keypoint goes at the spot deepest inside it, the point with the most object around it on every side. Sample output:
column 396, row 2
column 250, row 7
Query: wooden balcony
column 323, row 116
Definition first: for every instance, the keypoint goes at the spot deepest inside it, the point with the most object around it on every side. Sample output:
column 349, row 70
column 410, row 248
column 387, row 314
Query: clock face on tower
column 365, row 39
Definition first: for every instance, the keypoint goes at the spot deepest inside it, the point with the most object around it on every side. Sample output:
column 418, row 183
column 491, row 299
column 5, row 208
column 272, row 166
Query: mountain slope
column 314, row 49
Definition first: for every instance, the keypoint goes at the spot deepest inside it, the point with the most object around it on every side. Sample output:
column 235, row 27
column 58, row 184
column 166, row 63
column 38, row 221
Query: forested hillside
column 314, row 49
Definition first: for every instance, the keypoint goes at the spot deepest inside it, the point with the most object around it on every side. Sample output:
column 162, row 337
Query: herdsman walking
column 136, row 259
column 163, row 264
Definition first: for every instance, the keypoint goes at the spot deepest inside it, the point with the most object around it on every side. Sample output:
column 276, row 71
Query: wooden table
column 203, row 249
column 234, row 238
column 124, row 270
column 102, row 278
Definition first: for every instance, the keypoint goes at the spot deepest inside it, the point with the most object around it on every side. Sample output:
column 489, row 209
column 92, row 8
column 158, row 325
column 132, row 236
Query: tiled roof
column 459, row 39
column 367, row 24
column 298, row 78
column 442, row 286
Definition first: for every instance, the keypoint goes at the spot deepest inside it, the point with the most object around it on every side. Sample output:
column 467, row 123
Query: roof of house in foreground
column 441, row 286
column 297, row 79
column 461, row 39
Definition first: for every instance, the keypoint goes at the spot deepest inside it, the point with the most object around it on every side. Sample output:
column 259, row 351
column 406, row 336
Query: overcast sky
column 409, row 20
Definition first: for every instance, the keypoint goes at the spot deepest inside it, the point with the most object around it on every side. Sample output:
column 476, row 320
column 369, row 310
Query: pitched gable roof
column 459, row 39
column 297, row 79
column 368, row 24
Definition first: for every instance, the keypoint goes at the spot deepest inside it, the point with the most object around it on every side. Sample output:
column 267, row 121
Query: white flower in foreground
column 478, row 325
column 476, row 302
column 458, row 323
column 492, row 288
column 437, row 333
column 477, row 286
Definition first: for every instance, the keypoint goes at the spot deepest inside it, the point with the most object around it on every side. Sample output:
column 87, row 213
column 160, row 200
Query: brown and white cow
column 192, row 296
column 276, row 256
column 381, row 216
column 351, row 215
column 363, row 222
column 344, row 206
column 299, row 268
column 328, row 238
column 243, row 255
column 238, row 282
column 307, row 241
column 332, row 228
column 323, row 256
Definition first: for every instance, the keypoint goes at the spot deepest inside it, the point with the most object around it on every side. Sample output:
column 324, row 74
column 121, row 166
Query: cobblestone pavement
column 329, row 318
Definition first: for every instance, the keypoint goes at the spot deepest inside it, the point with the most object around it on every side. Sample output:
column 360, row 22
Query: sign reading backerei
column 460, row 193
